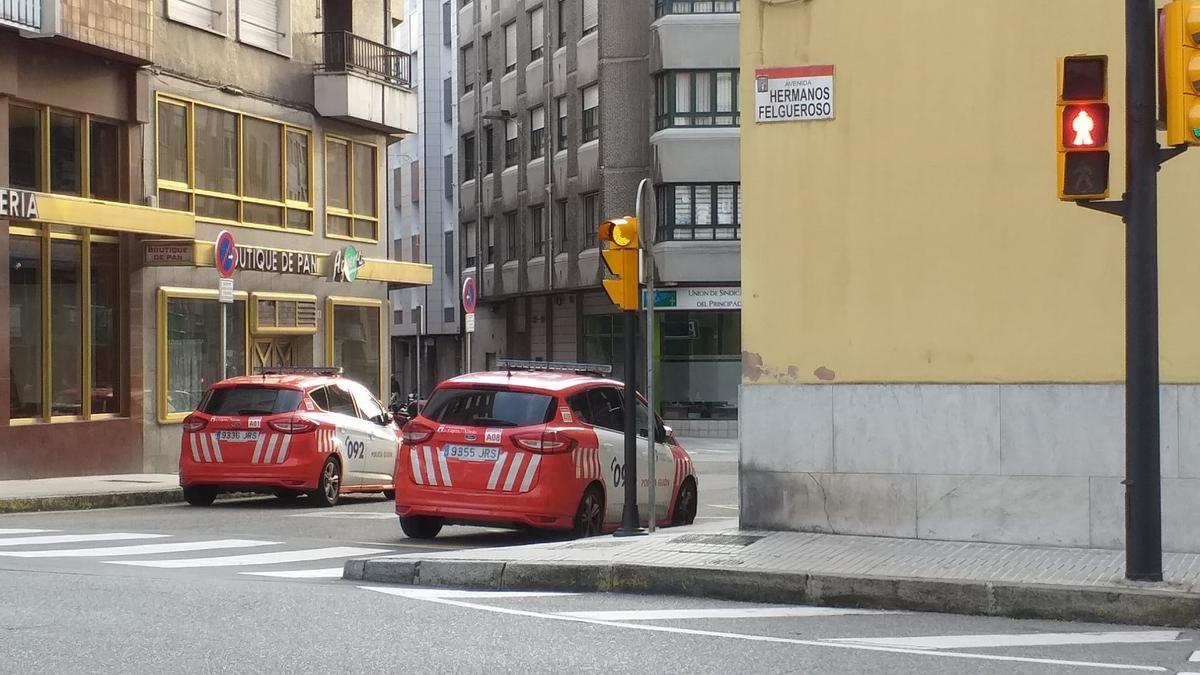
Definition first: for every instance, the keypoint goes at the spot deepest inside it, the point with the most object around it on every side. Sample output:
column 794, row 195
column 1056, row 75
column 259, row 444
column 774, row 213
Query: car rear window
column 489, row 407
column 251, row 401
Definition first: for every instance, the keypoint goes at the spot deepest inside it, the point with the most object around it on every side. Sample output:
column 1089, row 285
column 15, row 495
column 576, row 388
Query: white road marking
column 22, row 530
column 719, row 613
column 76, row 538
column 325, row 573
column 1195, row 657
column 440, row 593
column 1018, row 640
column 254, row 558
column 770, row 639
column 350, row 515
column 140, row 549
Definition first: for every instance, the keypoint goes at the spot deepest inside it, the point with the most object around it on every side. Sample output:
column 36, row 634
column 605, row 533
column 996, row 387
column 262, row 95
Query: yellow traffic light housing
column 1181, row 52
column 622, row 261
column 1082, row 125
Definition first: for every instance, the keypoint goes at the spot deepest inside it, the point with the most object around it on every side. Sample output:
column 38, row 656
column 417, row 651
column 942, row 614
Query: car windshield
column 489, row 407
column 250, row 401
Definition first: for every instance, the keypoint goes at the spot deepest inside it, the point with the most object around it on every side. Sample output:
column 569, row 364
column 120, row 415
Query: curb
column 1140, row 606
column 96, row 501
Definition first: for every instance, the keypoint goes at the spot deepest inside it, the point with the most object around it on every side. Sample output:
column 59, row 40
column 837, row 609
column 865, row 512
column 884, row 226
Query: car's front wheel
column 420, row 527
column 329, row 485
column 589, row 517
column 685, row 504
column 200, row 495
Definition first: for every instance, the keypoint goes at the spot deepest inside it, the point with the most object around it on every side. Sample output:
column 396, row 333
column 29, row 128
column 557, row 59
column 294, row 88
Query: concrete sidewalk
column 88, row 492
column 717, row 561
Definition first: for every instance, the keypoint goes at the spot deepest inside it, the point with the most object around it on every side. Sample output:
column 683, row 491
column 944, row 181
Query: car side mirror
column 384, row 419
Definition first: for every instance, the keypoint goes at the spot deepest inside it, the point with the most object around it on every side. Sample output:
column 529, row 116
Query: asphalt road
column 253, row 586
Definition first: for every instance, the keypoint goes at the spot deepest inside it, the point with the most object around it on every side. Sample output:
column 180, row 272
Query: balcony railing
column 25, row 14
column 696, row 7
column 344, row 52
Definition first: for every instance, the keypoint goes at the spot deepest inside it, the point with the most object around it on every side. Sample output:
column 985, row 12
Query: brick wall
column 122, row 26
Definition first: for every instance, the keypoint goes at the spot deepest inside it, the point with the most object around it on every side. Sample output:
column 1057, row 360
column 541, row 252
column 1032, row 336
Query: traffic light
column 1181, row 60
column 621, row 258
column 1083, row 128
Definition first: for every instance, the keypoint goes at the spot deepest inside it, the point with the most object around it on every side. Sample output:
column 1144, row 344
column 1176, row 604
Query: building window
column 189, row 328
column 468, row 154
column 702, row 98
column 591, row 218
column 234, row 168
column 414, row 175
column 560, row 222
column 603, row 341
column 591, row 114
column 206, row 14
column 489, row 228
column 397, row 249
column 511, row 238
column 510, row 47
column 591, row 16
column 489, row 149
column 48, row 151
column 512, row 148
column 353, row 340
column 266, row 24
column 560, row 104
column 350, row 184
column 537, row 132
column 465, row 69
column 416, row 248
column 662, row 7
column 704, row 211
column 537, row 32
column 449, row 262
column 537, row 223
column 448, row 177
column 469, row 246
column 701, row 363
column 560, row 18
column 487, row 57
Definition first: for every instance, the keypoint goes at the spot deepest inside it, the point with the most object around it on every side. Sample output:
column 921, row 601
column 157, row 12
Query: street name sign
column 795, row 94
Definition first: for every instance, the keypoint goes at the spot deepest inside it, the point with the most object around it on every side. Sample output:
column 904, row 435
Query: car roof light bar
column 298, row 370
column 554, row 366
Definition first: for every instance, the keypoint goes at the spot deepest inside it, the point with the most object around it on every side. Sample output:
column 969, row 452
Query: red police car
column 536, row 445
column 289, row 431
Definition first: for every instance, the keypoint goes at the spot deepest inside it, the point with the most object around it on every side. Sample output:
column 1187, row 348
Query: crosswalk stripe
column 254, row 558
column 1016, row 640
column 1195, row 657
column 22, row 530
column 323, row 573
column 76, row 538
column 718, row 613
column 138, row 549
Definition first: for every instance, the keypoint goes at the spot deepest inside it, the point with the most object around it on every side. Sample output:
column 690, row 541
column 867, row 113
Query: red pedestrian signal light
column 1083, row 121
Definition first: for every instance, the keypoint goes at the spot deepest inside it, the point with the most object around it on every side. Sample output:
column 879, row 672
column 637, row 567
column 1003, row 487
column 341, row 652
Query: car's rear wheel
column 329, row 485
column 420, row 527
column 200, row 495
column 685, row 503
column 589, row 517
column 389, row 494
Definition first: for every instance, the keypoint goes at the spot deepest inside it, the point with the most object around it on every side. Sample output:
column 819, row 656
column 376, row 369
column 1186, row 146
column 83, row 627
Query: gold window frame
column 351, row 213
column 257, row 330
column 166, row 293
column 85, row 146
column 334, row 301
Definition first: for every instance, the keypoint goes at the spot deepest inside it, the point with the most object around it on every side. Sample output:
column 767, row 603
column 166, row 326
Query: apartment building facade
column 564, row 107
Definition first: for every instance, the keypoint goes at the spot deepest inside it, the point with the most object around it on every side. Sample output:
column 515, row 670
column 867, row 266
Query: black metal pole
column 1143, row 485
column 630, row 519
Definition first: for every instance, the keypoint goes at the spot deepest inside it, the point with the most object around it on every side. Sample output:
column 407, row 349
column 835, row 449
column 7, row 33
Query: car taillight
column 293, row 425
column 415, row 432
column 192, row 423
column 547, row 443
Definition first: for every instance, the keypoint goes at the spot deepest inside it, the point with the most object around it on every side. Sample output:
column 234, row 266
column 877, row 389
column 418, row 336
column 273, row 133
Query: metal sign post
column 646, row 216
column 469, row 296
column 225, row 260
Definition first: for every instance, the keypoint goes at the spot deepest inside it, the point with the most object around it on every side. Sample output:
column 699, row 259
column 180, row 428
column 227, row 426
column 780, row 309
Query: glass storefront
column 356, row 343
column 699, row 364
column 193, row 351
column 25, row 326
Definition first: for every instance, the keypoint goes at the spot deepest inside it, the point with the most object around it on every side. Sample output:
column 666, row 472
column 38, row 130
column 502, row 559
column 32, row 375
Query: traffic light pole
column 630, row 519
column 1143, row 483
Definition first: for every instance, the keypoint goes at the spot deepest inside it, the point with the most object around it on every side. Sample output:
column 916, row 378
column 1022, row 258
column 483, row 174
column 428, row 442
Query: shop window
column 48, row 152
column 77, row 365
column 244, row 170
column 25, row 327
column 700, row 367
column 699, row 98
column 351, row 177
column 703, row 211
column 190, row 352
column 24, row 147
column 353, row 340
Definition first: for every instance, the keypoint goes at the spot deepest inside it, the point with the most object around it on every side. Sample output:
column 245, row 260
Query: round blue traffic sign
column 469, row 295
column 225, row 255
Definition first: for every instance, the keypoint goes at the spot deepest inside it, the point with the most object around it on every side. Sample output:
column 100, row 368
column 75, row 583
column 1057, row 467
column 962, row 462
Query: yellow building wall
column 917, row 237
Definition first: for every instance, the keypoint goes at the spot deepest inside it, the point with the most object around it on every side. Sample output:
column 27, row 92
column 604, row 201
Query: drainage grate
column 717, row 539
